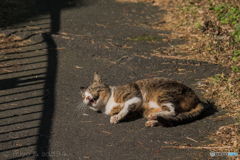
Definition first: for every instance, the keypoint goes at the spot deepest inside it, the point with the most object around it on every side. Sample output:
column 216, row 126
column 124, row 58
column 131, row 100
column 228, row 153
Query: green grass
column 235, row 69
column 197, row 25
column 236, row 32
column 227, row 14
column 236, row 53
column 216, row 78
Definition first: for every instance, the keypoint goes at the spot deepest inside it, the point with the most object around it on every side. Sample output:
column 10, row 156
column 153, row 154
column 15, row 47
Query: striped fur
column 154, row 98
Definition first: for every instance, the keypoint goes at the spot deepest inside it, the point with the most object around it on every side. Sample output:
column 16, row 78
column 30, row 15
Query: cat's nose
column 87, row 97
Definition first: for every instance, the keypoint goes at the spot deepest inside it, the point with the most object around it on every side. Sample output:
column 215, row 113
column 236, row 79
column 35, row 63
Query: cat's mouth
column 92, row 101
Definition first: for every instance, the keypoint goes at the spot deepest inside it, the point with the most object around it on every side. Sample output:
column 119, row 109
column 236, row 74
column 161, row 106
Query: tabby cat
column 154, row 98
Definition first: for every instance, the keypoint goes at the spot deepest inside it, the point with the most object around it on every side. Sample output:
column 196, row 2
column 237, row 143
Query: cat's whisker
column 80, row 109
column 76, row 111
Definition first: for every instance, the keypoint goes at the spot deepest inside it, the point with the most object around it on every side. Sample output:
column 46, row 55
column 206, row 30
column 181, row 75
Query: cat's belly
column 149, row 108
column 153, row 104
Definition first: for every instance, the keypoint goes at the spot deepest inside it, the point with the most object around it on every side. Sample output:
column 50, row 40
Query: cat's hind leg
column 129, row 105
column 151, row 108
column 168, row 110
column 152, row 123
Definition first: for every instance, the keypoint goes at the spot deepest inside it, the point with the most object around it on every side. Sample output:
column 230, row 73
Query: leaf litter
column 10, row 44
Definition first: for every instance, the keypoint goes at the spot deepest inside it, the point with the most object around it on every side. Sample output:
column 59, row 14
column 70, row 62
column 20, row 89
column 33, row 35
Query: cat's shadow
column 132, row 117
column 209, row 109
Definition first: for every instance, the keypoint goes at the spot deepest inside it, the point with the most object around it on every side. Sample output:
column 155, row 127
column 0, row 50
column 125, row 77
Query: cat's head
column 96, row 95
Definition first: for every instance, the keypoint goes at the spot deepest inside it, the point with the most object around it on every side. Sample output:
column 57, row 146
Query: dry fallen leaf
column 86, row 157
column 79, row 67
column 200, row 154
column 66, row 37
column 165, row 40
column 106, row 132
column 180, row 70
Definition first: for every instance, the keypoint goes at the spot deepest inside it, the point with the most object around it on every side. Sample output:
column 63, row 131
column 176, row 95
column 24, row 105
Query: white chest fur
column 153, row 104
column 110, row 104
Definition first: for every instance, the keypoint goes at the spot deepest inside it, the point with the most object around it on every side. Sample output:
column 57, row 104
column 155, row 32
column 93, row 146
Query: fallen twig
column 121, row 58
column 154, row 24
column 132, row 70
column 111, row 65
column 33, row 27
column 69, row 34
column 106, row 132
column 192, row 139
column 186, row 147
column 221, row 119
column 79, row 67
column 171, row 46
column 118, row 61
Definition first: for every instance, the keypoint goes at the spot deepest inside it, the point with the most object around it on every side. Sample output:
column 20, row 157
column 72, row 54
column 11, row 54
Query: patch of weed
column 236, row 32
column 197, row 25
column 235, row 69
column 227, row 14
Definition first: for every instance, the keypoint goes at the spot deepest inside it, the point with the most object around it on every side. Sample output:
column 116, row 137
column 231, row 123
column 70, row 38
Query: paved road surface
column 68, row 41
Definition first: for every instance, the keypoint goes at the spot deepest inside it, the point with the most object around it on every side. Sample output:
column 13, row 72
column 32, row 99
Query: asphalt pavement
column 66, row 41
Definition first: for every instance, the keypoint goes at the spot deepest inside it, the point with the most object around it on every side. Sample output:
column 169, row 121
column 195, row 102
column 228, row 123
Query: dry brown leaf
column 106, row 132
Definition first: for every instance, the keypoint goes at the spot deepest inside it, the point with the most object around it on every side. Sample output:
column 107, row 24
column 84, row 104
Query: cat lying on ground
column 154, row 98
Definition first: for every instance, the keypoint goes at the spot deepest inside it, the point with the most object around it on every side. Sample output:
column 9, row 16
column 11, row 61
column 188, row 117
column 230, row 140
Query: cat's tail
column 195, row 112
column 192, row 113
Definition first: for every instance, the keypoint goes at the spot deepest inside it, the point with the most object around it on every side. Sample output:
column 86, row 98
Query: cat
column 154, row 98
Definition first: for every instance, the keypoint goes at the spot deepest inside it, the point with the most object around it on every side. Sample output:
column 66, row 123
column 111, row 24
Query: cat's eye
column 100, row 90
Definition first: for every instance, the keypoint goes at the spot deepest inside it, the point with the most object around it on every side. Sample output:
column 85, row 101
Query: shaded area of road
column 28, row 93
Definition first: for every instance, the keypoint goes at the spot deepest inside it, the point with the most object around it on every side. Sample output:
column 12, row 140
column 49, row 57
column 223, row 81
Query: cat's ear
column 82, row 89
column 96, row 78
column 111, row 87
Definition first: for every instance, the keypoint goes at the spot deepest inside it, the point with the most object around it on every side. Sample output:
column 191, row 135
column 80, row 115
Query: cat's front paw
column 152, row 117
column 152, row 123
column 114, row 119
